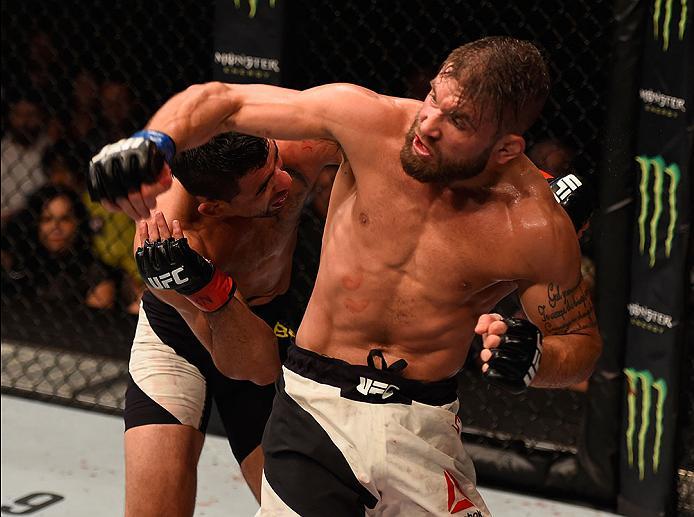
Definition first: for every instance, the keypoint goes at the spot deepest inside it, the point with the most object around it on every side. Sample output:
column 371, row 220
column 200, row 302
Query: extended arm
column 128, row 174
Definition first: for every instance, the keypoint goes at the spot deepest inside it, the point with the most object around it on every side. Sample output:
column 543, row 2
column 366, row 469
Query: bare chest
column 431, row 248
column 257, row 255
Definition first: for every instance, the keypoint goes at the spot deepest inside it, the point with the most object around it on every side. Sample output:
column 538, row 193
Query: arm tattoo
column 567, row 310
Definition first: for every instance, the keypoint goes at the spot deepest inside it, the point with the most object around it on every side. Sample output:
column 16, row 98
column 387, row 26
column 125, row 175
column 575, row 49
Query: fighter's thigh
column 160, row 469
column 164, row 387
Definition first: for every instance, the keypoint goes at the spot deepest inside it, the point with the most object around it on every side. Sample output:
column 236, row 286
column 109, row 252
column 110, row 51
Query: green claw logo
column 659, row 170
column 253, row 6
column 664, row 8
column 648, row 384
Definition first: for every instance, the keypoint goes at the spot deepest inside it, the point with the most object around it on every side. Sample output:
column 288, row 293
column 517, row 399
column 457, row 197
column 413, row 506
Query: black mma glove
column 576, row 196
column 515, row 361
column 172, row 264
column 125, row 165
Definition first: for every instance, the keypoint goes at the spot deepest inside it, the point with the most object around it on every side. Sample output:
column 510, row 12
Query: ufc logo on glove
column 164, row 281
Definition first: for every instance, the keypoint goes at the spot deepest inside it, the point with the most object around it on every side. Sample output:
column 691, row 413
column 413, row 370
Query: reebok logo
column 457, row 501
column 371, row 387
column 164, row 281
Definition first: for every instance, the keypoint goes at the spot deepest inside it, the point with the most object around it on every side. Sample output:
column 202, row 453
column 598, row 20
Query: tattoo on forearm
column 567, row 310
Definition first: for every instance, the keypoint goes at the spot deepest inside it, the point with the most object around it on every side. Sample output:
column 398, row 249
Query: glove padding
column 515, row 361
column 576, row 196
column 172, row 264
column 124, row 166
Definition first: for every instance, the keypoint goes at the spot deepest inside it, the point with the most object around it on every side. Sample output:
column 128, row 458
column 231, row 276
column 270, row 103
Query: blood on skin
column 352, row 282
column 354, row 306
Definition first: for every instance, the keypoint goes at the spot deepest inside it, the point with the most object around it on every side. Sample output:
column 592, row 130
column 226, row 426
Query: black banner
column 655, row 334
column 248, row 41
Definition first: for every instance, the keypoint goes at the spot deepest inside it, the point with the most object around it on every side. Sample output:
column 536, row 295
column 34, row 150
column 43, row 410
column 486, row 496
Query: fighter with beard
column 435, row 215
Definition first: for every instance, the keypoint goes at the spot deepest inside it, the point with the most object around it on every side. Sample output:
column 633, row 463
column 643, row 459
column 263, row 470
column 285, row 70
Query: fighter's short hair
column 213, row 170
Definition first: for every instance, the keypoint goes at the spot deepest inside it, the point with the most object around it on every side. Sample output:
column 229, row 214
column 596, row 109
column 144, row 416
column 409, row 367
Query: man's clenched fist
column 128, row 174
column 512, row 351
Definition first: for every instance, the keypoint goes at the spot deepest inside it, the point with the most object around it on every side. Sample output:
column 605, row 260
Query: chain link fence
column 78, row 75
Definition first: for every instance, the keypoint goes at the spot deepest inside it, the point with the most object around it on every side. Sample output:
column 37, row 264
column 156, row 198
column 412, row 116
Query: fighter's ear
column 509, row 147
column 210, row 207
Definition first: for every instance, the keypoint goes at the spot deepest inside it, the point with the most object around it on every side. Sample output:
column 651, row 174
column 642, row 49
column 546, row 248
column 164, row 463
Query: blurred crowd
column 58, row 246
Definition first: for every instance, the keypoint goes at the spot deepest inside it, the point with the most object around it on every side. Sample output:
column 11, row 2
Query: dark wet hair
column 504, row 78
column 213, row 170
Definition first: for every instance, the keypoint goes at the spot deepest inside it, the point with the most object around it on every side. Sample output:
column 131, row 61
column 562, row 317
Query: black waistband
column 366, row 383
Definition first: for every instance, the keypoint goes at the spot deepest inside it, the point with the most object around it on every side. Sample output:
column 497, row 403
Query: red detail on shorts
column 457, row 424
column 546, row 175
column 455, row 506
column 215, row 294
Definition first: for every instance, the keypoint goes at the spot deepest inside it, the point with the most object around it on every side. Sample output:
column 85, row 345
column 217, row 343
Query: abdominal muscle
column 358, row 305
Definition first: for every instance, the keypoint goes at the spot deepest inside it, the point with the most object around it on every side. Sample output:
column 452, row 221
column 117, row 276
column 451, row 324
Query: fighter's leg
column 166, row 411
column 161, row 470
column 244, row 409
column 252, row 470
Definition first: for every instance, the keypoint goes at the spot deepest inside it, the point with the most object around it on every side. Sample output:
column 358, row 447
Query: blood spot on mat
column 355, row 306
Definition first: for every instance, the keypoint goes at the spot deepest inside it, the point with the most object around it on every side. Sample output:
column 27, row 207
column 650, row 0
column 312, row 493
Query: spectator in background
column 81, row 123
column 47, row 257
column 113, row 245
column 46, row 75
column 553, row 156
column 63, row 164
column 22, row 151
column 112, row 234
column 117, row 119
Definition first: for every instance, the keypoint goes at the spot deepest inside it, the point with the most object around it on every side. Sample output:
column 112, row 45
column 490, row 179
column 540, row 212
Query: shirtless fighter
column 237, row 200
column 435, row 215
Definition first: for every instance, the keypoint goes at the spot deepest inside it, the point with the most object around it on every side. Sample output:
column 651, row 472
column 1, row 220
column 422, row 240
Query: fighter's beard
column 436, row 171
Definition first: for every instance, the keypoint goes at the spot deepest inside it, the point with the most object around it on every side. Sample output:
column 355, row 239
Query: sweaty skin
column 410, row 267
column 255, row 251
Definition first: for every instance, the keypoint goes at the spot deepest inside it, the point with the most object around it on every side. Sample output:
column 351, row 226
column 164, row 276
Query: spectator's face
column 25, row 122
column 115, row 103
column 57, row 225
column 85, row 91
column 59, row 173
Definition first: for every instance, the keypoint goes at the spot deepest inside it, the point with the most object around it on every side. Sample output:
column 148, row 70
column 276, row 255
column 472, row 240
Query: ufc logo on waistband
column 372, row 387
column 164, row 281
column 565, row 186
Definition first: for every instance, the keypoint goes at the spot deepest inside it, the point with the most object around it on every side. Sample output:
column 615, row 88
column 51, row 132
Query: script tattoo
column 567, row 310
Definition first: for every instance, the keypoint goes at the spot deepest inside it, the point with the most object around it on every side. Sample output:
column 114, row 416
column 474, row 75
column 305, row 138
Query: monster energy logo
column 648, row 384
column 253, row 6
column 664, row 7
column 659, row 170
